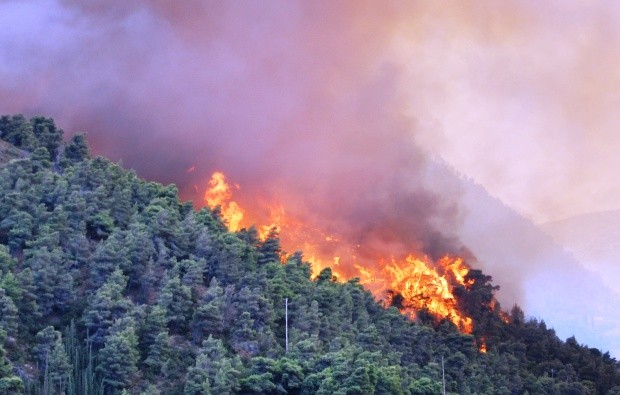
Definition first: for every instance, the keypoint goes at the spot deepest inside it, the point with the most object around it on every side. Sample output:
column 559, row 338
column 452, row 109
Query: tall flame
column 412, row 283
column 420, row 284
column 218, row 194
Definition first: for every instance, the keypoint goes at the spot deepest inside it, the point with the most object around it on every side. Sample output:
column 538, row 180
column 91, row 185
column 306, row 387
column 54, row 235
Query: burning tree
column 421, row 288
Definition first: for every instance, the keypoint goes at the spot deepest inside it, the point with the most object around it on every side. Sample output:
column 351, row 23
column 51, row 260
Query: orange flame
column 421, row 285
column 482, row 346
column 277, row 219
column 418, row 282
column 219, row 194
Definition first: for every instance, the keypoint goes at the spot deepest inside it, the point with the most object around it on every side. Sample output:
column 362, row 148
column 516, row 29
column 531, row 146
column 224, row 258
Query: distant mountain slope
column 8, row 152
column 594, row 239
column 533, row 268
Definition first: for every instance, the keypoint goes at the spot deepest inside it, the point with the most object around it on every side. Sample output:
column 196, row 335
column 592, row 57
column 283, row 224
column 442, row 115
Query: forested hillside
column 109, row 284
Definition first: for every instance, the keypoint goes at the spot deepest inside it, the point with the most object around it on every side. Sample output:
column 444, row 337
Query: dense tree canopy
column 109, row 285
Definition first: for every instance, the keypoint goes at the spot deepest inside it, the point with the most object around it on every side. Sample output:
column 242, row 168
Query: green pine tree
column 118, row 359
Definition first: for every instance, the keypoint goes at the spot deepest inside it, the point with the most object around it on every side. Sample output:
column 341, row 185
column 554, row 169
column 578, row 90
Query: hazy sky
column 521, row 96
column 340, row 110
column 526, row 100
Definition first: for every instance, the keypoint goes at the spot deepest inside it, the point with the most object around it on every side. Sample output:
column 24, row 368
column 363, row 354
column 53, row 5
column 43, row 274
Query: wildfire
column 412, row 283
column 219, row 195
column 482, row 346
column 420, row 284
column 277, row 218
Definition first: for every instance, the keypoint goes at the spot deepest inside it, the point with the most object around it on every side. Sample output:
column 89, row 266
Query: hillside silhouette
column 109, row 284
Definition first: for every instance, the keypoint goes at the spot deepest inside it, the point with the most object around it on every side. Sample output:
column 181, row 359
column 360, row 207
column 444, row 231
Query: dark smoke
column 318, row 105
column 293, row 101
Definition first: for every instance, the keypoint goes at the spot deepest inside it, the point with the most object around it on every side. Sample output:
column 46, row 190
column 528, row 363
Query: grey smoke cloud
column 337, row 109
column 291, row 100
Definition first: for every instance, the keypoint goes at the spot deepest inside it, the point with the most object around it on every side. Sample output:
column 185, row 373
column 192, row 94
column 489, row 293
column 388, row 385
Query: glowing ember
column 411, row 283
column 482, row 347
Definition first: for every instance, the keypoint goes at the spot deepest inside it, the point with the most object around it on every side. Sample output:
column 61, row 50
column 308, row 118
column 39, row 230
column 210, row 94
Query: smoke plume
column 331, row 109
column 298, row 102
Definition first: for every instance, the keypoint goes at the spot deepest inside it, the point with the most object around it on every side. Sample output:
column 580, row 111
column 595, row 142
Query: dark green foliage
column 58, row 368
column 154, row 324
column 110, row 285
column 17, row 131
column 75, row 151
column 45, row 340
column 99, row 226
column 47, row 135
column 41, row 159
column 425, row 386
column 226, row 256
column 18, row 227
column 118, row 360
column 8, row 313
column 27, row 306
column 208, row 317
column 53, row 280
column 109, row 256
column 106, row 306
column 9, row 383
column 269, row 250
column 38, row 132
column 176, row 300
column 159, row 354
column 214, row 372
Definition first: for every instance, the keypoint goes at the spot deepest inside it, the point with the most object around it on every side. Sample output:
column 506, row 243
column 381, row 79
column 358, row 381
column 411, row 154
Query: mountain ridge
column 110, row 285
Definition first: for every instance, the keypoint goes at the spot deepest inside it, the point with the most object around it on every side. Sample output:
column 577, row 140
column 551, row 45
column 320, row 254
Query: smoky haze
column 293, row 101
column 332, row 109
